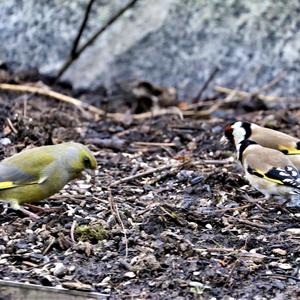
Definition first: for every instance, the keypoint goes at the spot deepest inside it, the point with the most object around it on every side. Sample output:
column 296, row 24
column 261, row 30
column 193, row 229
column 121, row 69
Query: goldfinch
column 36, row 174
column 268, row 170
column 269, row 138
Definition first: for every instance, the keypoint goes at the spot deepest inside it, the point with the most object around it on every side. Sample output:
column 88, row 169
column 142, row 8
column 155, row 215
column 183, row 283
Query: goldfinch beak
column 223, row 140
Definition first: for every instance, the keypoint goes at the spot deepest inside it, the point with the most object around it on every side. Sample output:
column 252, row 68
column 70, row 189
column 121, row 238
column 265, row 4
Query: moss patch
column 92, row 233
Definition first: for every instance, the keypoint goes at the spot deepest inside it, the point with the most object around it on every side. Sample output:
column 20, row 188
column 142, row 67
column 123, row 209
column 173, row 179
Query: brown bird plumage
column 268, row 170
column 269, row 138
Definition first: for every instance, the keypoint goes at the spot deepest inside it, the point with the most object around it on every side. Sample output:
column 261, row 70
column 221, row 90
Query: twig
column 281, row 276
column 206, row 83
column 69, row 62
column 213, row 161
column 270, row 84
column 246, row 222
column 230, row 275
column 214, row 249
column 243, row 94
column 204, row 113
column 115, row 212
column 81, row 29
column 83, row 105
column 161, row 112
column 52, row 94
column 137, row 144
column 11, row 126
column 52, row 241
column 233, row 208
column 142, row 174
column 255, row 202
column 72, row 231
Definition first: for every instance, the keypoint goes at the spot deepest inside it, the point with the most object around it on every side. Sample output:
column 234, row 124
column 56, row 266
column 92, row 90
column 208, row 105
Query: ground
column 191, row 232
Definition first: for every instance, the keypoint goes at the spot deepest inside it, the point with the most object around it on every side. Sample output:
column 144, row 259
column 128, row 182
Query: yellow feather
column 268, row 178
column 6, row 185
column 290, row 150
column 9, row 184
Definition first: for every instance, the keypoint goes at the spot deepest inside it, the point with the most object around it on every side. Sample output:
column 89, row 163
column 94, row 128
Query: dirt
column 191, row 233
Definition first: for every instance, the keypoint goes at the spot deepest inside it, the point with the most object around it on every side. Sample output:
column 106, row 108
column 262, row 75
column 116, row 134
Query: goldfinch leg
column 15, row 205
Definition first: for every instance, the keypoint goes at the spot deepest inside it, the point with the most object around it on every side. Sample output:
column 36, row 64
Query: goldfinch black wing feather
column 288, row 176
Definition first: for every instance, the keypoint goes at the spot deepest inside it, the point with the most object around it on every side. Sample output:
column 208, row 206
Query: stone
column 279, row 251
column 129, row 274
column 294, row 231
column 171, row 43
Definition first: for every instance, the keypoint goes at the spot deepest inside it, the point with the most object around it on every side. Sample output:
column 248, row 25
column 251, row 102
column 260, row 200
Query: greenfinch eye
column 87, row 163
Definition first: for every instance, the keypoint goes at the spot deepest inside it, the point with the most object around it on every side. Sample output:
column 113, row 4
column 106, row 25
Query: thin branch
column 173, row 110
column 43, row 91
column 226, row 209
column 206, row 83
column 72, row 231
column 73, row 53
column 137, row 144
column 273, row 82
column 70, row 61
column 52, row 94
column 214, row 161
column 11, row 126
column 244, row 94
column 142, row 174
column 246, row 222
column 51, row 243
column 115, row 212
column 216, row 249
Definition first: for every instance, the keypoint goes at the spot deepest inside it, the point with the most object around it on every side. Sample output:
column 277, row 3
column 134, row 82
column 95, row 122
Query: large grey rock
column 168, row 42
column 41, row 33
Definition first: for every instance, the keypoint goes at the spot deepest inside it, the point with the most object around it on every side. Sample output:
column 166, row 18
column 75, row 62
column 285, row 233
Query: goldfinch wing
column 290, row 150
column 288, row 176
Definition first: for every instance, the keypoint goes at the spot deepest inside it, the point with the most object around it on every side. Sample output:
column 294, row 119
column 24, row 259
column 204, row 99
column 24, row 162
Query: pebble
column 208, row 226
column 105, row 281
column 197, row 180
column 217, row 129
column 129, row 274
column 72, row 269
column 284, row 266
column 5, row 141
column 148, row 197
column 59, row 269
column 279, row 251
column 72, row 285
column 295, row 231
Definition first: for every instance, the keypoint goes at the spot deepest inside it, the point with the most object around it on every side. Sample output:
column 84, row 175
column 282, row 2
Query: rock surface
column 170, row 42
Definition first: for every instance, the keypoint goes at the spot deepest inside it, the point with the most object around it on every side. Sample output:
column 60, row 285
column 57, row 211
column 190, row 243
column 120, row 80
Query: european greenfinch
column 39, row 173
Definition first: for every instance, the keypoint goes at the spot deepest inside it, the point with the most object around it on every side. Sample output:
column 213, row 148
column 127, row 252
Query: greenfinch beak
column 90, row 172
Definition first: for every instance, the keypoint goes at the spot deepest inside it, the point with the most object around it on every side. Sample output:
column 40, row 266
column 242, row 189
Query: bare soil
column 191, row 232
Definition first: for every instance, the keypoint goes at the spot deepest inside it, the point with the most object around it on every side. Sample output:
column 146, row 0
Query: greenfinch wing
column 11, row 176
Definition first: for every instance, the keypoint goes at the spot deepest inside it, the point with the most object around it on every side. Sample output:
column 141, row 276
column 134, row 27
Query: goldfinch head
column 236, row 132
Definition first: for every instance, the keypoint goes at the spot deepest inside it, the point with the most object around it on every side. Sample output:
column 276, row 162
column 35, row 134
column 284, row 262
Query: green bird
column 36, row 174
